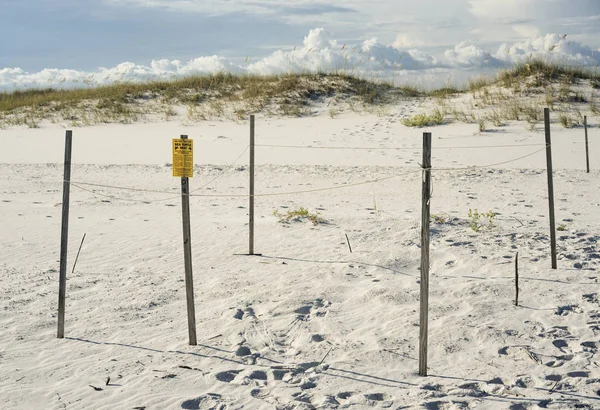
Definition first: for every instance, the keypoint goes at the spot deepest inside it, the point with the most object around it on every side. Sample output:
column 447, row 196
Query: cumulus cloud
column 320, row 52
column 467, row 55
column 554, row 47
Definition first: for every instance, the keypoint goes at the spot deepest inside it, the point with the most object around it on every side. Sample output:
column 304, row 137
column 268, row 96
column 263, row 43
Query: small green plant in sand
column 561, row 227
column 438, row 219
column 423, row 120
column 479, row 220
column 298, row 215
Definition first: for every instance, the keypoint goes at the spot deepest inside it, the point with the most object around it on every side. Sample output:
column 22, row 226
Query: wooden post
column 517, row 279
column 550, row 187
column 587, row 151
column 187, row 256
column 64, row 235
column 251, row 205
column 424, row 297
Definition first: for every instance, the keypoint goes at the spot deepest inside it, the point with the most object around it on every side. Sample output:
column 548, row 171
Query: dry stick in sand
column 517, row 279
column 324, row 357
column 77, row 257
column 518, row 220
column 532, row 356
column 348, row 240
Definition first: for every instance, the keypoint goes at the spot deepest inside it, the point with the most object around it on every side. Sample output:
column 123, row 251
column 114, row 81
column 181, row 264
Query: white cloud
column 468, row 55
column 551, row 46
column 320, row 52
column 404, row 40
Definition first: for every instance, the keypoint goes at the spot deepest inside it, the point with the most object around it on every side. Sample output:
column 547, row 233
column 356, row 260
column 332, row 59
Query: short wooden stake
column 251, row 197
column 64, row 235
column 517, row 279
column 187, row 257
column 78, row 251
column 425, row 213
column 587, row 151
column 550, row 187
column 348, row 240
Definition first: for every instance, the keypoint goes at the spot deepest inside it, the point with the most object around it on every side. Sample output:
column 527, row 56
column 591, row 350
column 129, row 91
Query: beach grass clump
column 478, row 83
column 568, row 121
column 444, row 92
column 424, row 120
column 480, row 220
column 298, row 215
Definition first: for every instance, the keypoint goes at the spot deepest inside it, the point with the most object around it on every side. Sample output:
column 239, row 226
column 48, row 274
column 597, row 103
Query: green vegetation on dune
column 232, row 96
column 197, row 89
column 544, row 72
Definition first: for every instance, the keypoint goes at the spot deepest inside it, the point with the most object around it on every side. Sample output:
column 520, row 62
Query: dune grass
column 424, row 120
column 543, row 72
column 236, row 96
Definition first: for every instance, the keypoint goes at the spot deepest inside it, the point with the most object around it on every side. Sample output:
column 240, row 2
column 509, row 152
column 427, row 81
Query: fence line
column 223, row 171
column 394, row 148
column 491, row 165
column 78, row 183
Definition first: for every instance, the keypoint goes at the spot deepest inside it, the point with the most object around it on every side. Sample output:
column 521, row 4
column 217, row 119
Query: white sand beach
column 308, row 324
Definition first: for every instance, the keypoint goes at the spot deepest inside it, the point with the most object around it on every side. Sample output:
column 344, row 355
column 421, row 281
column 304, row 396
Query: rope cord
column 223, row 171
column 395, row 148
column 490, row 165
column 77, row 183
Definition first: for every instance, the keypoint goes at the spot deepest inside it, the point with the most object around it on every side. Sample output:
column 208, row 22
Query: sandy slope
column 307, row 324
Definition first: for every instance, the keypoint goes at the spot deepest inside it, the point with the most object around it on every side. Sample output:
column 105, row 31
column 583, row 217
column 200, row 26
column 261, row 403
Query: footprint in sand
column 591, row 347
column 378, row 397
column 556, row 332
column 559, row 360
column 265, row 395
column 560, row 344
column 345, row 395
column 594, row 322
column 444, row 405
column 227, row 376
column 317, row 308
column 211, row 401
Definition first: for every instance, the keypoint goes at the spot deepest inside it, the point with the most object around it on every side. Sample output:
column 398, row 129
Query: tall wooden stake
column 424, row 297
column 587, row 151
column 187, row 256
column 550, row 186
column 64, row 236
column 251, row 205
column 517, row 279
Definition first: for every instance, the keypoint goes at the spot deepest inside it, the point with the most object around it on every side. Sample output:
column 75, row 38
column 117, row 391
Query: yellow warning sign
column 183, row 157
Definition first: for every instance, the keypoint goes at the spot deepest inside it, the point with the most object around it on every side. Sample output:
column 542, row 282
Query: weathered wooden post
column 251, row 205
column 550, row 187
column 183, row 166
column 425, row 214
column 64, row 235
column 517, row 279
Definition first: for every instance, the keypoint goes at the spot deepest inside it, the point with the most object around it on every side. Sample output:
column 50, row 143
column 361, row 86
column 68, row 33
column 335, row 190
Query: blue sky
column 46, row 41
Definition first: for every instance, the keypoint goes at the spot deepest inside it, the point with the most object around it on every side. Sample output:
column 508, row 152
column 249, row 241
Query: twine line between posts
column 475, row 167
